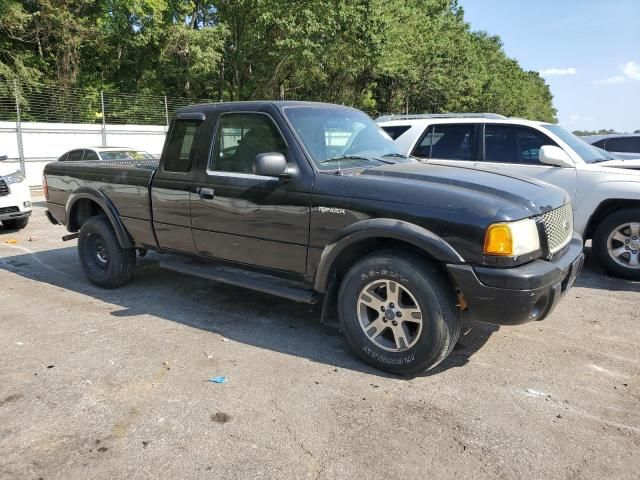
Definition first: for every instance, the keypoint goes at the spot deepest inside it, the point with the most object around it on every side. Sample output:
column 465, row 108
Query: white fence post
column 166, row 111
column 104, row 125
column 19, row 126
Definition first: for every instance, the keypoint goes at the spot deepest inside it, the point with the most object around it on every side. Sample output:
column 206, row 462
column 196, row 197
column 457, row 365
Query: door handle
column 205, row 193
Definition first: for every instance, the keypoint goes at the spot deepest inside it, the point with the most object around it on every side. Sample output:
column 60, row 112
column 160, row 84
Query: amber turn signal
column 498, row 240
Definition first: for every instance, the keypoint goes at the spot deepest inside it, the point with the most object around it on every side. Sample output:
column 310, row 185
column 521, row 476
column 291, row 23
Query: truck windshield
column 588, row 153
column 341, row 137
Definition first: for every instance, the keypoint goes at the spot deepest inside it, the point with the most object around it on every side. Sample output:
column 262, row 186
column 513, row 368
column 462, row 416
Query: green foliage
column 602, row 131
column 383, row 56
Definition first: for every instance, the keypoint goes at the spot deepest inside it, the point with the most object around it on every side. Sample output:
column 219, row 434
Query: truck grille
column 4, row 210
column 4, row 188
column 558, row 227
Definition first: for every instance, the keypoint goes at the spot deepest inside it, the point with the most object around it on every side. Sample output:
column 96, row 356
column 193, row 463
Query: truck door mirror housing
column 552, row 155
column 271, row 164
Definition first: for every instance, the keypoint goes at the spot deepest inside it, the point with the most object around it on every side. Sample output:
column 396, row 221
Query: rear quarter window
column 394, row 131
column 180, row 147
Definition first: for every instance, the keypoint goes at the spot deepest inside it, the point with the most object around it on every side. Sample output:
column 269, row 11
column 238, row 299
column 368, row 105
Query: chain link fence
column 46, row 103
column 31, row 102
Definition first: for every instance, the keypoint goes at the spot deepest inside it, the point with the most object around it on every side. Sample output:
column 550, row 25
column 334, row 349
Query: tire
column 364, row 293
column 16, row 223
column 104, row 262
column 619, row 232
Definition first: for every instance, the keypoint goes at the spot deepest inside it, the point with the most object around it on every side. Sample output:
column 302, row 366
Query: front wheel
column 616, row 243
column 103, row 260
column 398, row 312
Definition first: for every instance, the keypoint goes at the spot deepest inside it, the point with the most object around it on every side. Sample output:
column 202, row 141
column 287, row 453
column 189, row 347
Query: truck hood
column 510, row 196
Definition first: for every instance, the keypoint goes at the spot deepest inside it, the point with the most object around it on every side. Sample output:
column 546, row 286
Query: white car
column 606, row 200
column 15, row 197
column 104, row 153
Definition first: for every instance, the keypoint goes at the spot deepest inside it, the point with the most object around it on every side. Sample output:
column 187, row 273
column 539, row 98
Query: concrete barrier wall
column 45, row 142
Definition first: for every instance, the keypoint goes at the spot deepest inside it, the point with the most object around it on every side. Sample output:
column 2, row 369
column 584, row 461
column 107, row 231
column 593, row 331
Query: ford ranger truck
column 313, row 202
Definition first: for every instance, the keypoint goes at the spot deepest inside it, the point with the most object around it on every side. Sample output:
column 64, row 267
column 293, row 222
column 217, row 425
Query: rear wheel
column 616, row 243
column 398, row 312
column 103, row 260
column 16, row 223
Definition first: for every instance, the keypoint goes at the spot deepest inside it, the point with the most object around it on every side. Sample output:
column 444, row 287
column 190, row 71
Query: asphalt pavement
column 114, row 384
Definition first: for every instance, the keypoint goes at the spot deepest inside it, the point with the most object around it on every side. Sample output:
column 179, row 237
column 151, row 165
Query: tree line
column 602, row 131
column 383, row 56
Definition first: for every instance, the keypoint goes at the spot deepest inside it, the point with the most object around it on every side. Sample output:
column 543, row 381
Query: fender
column 591, row 200
column 124, row 239
column 382, row 228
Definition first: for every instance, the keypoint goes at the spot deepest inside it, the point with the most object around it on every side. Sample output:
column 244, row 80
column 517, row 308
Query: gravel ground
column 113, row 384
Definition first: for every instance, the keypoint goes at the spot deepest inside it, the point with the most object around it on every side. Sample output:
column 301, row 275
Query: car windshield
column 125, row 155
column 342, row 138
column 588, row 153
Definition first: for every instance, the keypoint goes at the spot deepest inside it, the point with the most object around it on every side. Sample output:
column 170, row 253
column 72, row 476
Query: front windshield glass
column 342, row 138
column 588, row 153
column 125, row 155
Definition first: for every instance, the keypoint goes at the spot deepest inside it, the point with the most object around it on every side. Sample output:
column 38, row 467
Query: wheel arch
column 605, row 208
column 85, row 203
column 363, row 237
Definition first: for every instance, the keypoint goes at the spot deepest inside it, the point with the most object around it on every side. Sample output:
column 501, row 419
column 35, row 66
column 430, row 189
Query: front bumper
column 17, row 203
column 511, row 296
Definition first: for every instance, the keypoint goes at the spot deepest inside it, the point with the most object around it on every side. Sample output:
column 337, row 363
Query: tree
column 382, row 56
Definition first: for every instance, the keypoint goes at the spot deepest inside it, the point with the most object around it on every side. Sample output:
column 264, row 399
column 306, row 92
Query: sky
column 588, row 51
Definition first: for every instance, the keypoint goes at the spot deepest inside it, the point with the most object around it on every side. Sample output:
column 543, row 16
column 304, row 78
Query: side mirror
column 3, row 157
column 552, row 155
column 272, row 164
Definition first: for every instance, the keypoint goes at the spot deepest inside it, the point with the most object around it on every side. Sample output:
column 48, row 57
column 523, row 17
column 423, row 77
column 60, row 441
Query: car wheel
column 398, row 312
column 616, row 243
column 103, row 260
column 16, row 224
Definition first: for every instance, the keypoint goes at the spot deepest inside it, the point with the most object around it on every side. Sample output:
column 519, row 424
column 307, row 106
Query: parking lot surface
column 114, row 384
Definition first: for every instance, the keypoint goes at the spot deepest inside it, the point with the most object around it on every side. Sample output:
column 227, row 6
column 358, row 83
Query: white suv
column 15, row 197
column 606, row 200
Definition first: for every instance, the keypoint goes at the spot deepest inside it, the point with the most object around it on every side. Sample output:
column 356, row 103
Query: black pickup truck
column 312, row 202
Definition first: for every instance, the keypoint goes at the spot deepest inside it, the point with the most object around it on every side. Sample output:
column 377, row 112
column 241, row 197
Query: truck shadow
column 240, row 315
column 593, row 276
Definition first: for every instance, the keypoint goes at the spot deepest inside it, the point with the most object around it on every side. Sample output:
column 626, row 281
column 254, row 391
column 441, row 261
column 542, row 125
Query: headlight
column 512, row 239
column 15, row 177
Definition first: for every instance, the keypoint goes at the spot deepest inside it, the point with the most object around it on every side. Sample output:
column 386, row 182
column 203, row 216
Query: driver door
column 251, row 219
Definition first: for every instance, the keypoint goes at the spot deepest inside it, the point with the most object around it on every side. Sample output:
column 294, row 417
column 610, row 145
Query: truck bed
column 124, row 182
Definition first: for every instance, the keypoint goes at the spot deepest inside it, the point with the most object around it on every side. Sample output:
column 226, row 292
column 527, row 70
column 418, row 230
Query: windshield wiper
column 353, row 157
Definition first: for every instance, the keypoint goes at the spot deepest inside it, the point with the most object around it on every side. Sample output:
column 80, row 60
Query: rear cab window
column 180, row 147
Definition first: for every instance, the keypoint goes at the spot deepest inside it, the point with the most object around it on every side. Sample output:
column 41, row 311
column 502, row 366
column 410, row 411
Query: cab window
column 242, row 136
